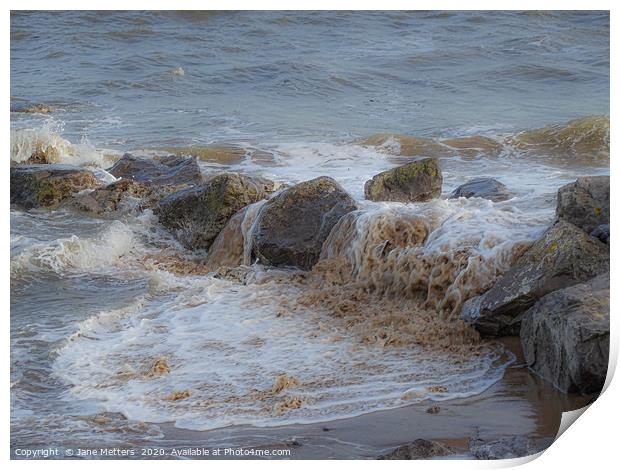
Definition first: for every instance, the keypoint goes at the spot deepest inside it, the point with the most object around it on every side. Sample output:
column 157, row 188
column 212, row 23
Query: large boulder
column 486, row 188
column 196, row 215
column 171, row 170
column 563, row 256
column 565, row 336
column 292, row 226
column 420, row 449
column 48, row 185
column 585, row 203
column 418, row 181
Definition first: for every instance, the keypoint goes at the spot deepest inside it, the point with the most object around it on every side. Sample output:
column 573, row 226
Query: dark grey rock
column 562, row 257
column 292, row 226
column 585, row 203
column 174, row 170
column 565, row 336
column 487, row 188
column 418, row 181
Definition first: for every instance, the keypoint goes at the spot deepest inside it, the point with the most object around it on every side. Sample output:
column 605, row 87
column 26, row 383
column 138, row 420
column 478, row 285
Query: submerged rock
column 110, row 197
column 565, row 336
column 420, row 449
column 418, row 181
column 48, row 185
column 225, row 154
column 173, row 170
column 292, row 226
column 504, row 448
column 405, row 145
column 563, row 256
column 577, row 142
column 486, row 188
column 197, row 215
column 585, row 203
column 474, row 146
column 33, row 108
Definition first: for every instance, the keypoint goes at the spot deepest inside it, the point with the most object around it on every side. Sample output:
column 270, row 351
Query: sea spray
column 45, row 145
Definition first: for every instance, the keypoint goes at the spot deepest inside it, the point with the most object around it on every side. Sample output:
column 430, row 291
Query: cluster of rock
column 289, row 230
column 556, row 297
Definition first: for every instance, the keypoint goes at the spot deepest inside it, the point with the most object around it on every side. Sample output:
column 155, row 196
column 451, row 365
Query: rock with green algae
column 565, row 255
column 34, row 186
column 418, row 181
column 291, row 227
column 197, row 215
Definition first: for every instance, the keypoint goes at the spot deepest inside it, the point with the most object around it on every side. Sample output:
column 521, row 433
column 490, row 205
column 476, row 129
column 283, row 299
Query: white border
column 589, row 444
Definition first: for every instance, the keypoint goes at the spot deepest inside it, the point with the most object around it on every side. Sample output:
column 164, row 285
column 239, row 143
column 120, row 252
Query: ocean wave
column 111, row 248
column 583, row 141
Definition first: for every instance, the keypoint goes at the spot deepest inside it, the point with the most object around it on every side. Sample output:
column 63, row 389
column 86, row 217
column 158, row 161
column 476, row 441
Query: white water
column 227, row 344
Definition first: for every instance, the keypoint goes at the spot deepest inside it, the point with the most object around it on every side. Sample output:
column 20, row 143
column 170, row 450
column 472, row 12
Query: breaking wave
column 44, row 145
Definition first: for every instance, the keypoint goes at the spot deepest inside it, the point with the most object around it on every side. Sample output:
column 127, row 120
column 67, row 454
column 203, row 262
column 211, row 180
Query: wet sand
column 520, row 404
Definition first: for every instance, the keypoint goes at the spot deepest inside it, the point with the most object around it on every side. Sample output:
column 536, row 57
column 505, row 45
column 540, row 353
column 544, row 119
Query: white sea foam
column 235, row 358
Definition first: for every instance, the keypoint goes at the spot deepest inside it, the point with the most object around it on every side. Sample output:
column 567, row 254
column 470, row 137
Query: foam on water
column 232, row 355
column 116, row 245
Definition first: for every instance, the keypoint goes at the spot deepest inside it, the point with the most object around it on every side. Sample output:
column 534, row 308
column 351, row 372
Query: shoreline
column 520, row 404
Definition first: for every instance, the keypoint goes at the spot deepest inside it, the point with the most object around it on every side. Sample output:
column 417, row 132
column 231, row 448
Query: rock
column 585, row 203
column 111, row 197
column 486, row 188
column 417, row 181
column 232, row 245
column 563, row 256
column 420, row 449
column 292, row 226
column 33, row 108
column 173, row 170
column 602, row 232
column 565, row 336
column 48, row 185
column 228, row 247
column 504, row 448
column 196, row 215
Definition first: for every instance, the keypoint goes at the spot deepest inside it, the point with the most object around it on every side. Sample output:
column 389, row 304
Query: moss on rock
column 418, row 181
